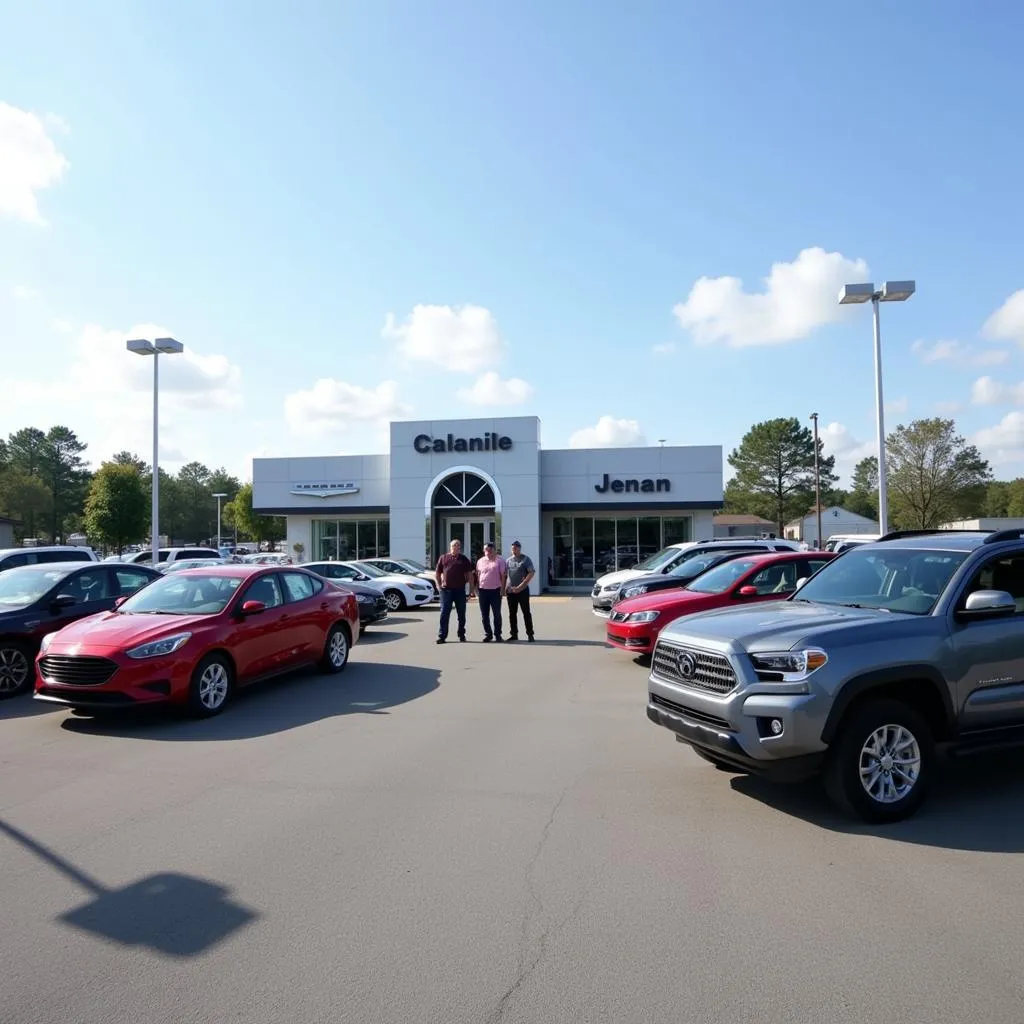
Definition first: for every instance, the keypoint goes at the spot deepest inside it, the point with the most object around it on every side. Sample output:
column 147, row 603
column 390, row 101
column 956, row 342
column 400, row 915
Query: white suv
column 171, row 555
column 13, row 558
column 606, row 589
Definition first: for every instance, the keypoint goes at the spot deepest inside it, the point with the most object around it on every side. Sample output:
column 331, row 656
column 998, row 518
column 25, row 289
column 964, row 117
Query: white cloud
column 986, row 391
column 334, row 406
column 608, row 432
column 838, row 440
column 29, row 162
column 63, row 326
column 1007, row 322
column 958, row 353
column 463, row 339
column 664, row 349
column 897, row 406
column 1003, row 442
column 22, row 291
column 490, row 389
column 798, row 298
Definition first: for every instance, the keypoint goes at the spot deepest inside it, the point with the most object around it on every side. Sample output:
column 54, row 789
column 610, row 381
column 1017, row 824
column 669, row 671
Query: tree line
column 48, row 488
column 934, row 477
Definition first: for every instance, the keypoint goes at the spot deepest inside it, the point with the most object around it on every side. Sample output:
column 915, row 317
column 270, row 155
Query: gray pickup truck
column 887, row 651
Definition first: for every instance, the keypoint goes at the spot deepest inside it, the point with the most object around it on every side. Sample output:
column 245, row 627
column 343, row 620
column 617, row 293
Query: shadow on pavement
column 374, row 635
column 566, row 643
column 172, row 914
column 23, row 706
column 398, row 620
column 274, row 706
column 974, row 804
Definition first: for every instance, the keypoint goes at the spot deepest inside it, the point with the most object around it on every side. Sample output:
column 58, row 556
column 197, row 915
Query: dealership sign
column 646, row 486
column 316, row 490
column 490, row 442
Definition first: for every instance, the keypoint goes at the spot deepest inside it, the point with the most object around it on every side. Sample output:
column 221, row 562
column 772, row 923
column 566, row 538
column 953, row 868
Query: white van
column 841, row 541
column 171, row 555
column 607, row 587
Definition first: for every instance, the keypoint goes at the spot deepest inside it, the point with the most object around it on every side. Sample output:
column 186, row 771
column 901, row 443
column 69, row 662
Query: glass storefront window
column 366, row 538
column 342, row 540
column 604, row 546
column 649, row 536
column 325, row 540
column 346, row 540
column 677, row 530
column 561, row 561
column 625, row 543
column 583, row 547
column 383, row 538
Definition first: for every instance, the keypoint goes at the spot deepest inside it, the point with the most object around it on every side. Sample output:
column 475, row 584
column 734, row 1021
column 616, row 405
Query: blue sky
column 531, row 192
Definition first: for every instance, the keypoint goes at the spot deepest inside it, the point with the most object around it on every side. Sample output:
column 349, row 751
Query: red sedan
column 192, row 637
column 634, row 624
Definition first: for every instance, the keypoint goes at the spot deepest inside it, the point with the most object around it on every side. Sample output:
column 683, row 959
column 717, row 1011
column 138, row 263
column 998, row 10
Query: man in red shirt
column 454, row 573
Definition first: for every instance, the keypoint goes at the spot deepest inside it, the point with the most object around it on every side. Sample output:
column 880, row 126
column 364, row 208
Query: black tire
column 213, row 673
column 17, row 668
column 722, row 766
column 395, row 600
column 843, row 767
column 337, row 648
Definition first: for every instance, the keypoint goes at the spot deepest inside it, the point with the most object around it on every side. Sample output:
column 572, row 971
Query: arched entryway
column 463, row 503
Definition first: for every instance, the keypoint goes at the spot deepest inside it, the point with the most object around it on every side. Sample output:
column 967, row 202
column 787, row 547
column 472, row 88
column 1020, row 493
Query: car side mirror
column 118, row 601
column 800, row 582
column 748, row 591
column 361, row 578
column 253, row 607
column 988, row 604
column 62, row 601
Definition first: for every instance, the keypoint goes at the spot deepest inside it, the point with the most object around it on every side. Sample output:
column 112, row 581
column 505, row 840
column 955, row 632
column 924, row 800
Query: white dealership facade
column 578, row 512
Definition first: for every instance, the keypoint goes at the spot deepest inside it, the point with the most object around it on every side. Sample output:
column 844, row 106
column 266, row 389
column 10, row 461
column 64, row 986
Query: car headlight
column 643, row 616
column 612, row 588
column 634, row 592
column 159, row 648
column 365, row 599
column 45, row 642
column 788, row 666
column 419, row 586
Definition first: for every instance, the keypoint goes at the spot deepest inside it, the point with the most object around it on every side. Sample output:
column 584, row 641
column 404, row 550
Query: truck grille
column 76, row 671
column 697, row 669
column 698, row 716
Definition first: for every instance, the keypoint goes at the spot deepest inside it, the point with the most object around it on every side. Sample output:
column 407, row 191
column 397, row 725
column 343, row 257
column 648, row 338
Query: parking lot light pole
column 855, row 294
column 167, row 347
column 219, row 497
column 817, row 480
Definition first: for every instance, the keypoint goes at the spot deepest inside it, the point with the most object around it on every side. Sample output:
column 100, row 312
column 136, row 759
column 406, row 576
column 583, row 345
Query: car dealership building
column 579, row 513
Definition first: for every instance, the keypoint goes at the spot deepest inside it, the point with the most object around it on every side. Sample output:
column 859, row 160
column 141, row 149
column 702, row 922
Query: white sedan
column 400, row 592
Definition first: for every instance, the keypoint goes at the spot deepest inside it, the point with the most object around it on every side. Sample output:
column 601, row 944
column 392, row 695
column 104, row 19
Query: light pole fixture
column 817, row 481
column 855, row 294
column 167, row 347
column 219, row 497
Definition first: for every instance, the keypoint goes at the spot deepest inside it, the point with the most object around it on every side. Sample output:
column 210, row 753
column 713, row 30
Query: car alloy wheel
column 890, row 763
column 337, row 648
column 213, row 686
column 14, row 670
column 395, row 600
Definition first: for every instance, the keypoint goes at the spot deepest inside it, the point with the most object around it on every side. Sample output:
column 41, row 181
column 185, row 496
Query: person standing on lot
column 491, row 579
column 520, row 572
column 453, row 573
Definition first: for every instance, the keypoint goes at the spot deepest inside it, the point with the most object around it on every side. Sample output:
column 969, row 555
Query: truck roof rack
column 898, row 534
column 1002, row 535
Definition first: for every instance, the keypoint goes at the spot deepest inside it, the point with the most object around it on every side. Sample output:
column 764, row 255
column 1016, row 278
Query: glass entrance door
column 473, row 533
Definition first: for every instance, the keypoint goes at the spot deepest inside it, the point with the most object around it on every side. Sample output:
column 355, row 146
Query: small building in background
column 7, row 532
column 727, row 524
column 834, row 520
column 990, row 523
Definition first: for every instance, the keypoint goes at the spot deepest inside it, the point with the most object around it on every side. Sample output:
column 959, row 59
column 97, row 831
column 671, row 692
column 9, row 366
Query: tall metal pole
column 817, row 480
column 156, row 460
column 883, row 495
column 218, row 524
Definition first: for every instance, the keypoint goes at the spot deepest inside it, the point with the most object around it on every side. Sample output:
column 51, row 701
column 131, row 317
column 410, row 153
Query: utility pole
column 817, row 481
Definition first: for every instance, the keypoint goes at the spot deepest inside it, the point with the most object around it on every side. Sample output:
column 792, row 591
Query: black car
column 373, row 605
column 40, row 599
column 684, row 573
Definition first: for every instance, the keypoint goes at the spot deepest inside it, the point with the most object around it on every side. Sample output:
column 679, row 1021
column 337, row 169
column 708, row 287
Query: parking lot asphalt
column 486, row 834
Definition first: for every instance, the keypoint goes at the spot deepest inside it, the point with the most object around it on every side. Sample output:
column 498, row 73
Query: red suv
column 634, row 624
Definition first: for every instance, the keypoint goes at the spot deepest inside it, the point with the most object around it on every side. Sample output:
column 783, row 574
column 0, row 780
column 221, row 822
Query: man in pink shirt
column 491, row 580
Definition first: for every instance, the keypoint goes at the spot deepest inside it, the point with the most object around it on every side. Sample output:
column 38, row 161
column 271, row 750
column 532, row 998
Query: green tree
column 863, row 496
column 64, row 471
column 117, row 509
column 126, row 458
column 26, row 450
column 249, row 523
column 223, row 482
column 198, row 506
column 935, row 476
column 774, row 466
column 1015, row 499
column 24, row 497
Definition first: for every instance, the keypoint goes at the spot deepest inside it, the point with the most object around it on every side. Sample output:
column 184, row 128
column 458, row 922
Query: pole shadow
column 975, row 804
column 172, row 914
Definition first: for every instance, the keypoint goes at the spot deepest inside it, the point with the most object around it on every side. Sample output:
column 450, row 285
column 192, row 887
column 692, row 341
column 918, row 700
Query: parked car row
column 854, row 666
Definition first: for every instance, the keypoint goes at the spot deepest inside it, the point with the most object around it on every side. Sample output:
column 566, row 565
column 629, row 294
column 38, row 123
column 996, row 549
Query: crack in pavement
column 536, row 911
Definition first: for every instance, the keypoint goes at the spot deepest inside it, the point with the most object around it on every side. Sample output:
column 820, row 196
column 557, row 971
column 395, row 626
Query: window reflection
column 348, row 539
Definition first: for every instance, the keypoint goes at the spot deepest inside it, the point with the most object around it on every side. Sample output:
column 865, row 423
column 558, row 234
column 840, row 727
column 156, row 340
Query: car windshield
column 890, row 579
column 722, row 577
column 183, row 594
column 691, row 568
column 369, row 570
column 22, row 587
column 414, row 565
column 660, row 560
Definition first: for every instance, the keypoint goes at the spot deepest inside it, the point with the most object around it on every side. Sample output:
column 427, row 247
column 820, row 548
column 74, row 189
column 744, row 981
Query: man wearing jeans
column 454, row 571
column 491, row 576
column 520, row 572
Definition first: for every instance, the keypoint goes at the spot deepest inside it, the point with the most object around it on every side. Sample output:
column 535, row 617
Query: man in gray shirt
column 520, row 572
